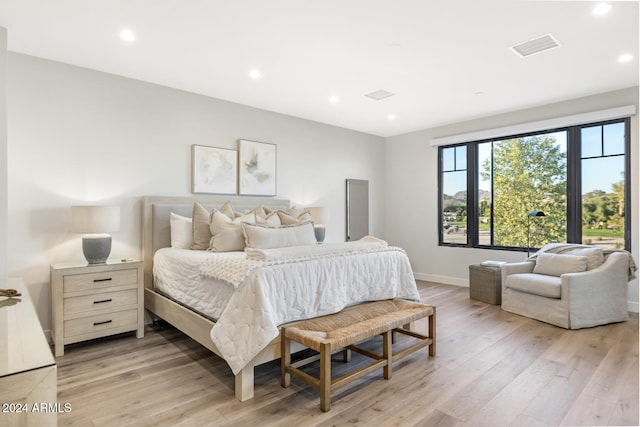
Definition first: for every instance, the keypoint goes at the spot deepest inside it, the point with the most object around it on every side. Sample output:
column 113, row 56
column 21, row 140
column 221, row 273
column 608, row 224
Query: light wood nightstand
column 95, row 300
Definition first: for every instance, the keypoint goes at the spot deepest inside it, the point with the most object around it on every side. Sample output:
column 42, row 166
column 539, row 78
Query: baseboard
column 632, row 306
column 442, row 279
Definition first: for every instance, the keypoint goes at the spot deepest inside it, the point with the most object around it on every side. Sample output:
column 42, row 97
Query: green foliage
column 529, row 174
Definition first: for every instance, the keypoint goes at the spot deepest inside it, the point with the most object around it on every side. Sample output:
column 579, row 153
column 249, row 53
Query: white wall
column 412, row 191
column 3, row 156
column 79, row 136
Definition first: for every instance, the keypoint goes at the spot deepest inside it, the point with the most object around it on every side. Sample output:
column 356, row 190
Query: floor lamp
column 531, row 214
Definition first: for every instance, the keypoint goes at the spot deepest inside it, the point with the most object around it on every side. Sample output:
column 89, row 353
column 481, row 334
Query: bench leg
column 432, row 333
column 285, row 356
column 346, row 355
column 325, row 378
column 387, row 353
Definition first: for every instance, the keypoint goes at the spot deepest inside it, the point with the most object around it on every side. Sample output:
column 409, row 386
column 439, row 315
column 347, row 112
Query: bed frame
column 156, row 234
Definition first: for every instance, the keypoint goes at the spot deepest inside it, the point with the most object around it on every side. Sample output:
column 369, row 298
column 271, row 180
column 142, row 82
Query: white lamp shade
column 95, row 219
column 318, row 215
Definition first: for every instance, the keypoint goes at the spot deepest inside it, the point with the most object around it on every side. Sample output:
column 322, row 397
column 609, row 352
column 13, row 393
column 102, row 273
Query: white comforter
column 285, row 290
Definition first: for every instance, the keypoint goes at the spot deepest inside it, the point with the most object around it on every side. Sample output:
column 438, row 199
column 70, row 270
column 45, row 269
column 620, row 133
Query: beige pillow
column 271, row 220
column 227, row 209
column 559, row 264
column 262, row 237
column 294, row 216
column 226, row 234
column 595, row 256
column 201, row 230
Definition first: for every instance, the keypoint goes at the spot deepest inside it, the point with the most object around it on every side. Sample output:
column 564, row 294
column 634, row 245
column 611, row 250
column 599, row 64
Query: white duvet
column 274, row 293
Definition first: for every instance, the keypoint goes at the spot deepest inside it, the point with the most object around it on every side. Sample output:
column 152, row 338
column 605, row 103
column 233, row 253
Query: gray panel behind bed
column 156, row 228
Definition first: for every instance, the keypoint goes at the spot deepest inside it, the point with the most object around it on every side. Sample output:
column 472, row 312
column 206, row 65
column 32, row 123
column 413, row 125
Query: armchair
column 571, row 286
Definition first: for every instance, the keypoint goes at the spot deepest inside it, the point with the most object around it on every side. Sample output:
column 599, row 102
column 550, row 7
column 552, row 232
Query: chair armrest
column 599, row 292
column 614, row 270
column 516, row 268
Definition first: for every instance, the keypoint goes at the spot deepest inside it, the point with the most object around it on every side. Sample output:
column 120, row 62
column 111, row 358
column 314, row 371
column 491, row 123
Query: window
column 454, row 194
column 578, row 176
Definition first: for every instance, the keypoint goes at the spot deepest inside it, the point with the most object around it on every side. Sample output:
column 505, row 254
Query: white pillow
column 263, row 237
column 181, row 231
column 559, row 264
column 226, row 234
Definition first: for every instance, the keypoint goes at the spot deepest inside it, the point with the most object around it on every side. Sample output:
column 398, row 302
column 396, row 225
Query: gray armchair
column 571, row 286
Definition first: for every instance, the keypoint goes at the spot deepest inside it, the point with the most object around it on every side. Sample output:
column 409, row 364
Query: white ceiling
column 446, row 61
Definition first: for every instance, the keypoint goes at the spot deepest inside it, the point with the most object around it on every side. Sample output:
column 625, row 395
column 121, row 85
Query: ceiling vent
column 379, row 94
column 536, row 45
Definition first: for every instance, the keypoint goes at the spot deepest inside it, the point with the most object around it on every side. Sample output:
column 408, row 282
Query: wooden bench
column 343, row 330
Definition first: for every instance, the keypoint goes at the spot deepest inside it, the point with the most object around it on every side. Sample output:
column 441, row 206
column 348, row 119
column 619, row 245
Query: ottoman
column 485, row 283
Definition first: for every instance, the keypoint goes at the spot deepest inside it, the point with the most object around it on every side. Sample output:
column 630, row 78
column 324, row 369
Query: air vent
column 379, row 94
column 536, row 45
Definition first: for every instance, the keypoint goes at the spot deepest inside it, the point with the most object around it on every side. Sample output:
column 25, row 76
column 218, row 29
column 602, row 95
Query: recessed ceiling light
column 334, row 99
column 601, row 9
column 625, row 57
column 255, row 74
column 127, row 35
column 391, row 117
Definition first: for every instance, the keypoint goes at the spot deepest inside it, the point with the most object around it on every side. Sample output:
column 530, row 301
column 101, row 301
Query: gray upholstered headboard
column 156, row 229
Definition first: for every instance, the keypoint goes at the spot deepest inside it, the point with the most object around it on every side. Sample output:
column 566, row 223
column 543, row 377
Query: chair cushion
column 536, row 284
column 559, row 264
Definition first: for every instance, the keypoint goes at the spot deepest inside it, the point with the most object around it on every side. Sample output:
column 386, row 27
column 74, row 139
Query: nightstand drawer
column 100, row 301
column 101, row 322
column 104, row 279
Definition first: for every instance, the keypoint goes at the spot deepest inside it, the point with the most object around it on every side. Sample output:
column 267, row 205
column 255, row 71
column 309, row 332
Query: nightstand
column 95, row 300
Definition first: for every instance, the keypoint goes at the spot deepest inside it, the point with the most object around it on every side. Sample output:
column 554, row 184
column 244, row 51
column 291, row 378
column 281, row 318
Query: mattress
column 176, row 274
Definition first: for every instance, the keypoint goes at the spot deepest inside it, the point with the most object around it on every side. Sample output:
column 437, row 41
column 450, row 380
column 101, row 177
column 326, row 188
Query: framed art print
column 256, row 168
column 214, row 170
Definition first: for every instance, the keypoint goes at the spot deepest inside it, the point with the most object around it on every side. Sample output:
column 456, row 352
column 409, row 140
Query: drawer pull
column 102, row 323
column 103, row 301
column 102, row 280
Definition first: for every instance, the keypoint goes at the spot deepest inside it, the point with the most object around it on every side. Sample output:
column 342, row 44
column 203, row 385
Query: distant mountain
column 461, row 196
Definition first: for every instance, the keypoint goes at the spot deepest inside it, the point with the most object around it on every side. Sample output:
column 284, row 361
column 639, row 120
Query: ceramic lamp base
column 96, row 249
column 320, row 233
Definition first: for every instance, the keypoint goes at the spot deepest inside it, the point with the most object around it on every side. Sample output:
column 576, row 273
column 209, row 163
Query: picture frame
column 257, row 165
column 214, row 170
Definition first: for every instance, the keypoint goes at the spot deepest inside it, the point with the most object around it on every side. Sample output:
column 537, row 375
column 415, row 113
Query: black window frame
column 574, row 183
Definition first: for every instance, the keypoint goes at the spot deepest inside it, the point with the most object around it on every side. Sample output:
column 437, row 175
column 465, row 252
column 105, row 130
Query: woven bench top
column 355, row 324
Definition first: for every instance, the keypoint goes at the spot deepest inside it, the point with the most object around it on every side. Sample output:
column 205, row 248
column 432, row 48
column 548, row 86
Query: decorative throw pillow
column 201, row 232
column 181, row 231
column 595, row 256
column 270, row 220
column 262, row 237
column 559, row 264
column 227, row 209
column 226, row 234
column 294, row 216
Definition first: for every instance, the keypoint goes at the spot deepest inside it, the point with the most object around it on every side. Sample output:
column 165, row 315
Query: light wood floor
column 492, row 368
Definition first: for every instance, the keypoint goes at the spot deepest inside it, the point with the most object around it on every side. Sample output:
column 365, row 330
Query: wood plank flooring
column 492, row 368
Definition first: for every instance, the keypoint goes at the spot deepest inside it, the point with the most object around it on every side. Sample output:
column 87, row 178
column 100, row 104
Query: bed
column 257, row 318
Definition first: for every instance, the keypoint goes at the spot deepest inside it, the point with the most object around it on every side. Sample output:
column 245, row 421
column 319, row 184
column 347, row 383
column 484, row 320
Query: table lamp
column 94, row 222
